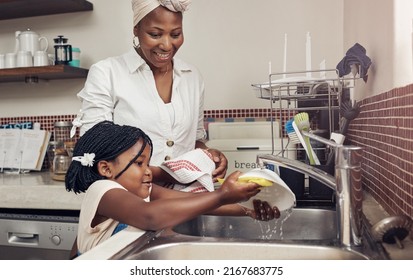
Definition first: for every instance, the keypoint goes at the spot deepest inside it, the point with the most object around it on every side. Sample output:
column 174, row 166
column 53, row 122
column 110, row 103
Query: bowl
column 279, row 194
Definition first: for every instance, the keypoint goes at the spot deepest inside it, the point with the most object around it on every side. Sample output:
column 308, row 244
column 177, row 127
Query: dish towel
column 355, row 55
column 195, row 166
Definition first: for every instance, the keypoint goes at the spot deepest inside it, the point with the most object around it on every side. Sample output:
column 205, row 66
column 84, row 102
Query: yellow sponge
column 260, row 181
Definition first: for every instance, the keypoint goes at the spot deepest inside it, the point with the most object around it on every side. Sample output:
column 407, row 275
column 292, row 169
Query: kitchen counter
column 36, row 190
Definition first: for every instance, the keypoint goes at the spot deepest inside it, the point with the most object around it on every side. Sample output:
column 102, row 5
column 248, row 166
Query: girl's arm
column 262, row 210
column 168, row 207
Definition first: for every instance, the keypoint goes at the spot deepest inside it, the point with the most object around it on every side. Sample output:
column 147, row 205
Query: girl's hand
column 263, row 211
column 233, row 191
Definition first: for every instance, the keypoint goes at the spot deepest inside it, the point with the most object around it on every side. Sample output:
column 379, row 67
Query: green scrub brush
column 302, row 121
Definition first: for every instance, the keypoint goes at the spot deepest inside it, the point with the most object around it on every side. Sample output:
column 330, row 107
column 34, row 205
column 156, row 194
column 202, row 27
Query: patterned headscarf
column 143, row 7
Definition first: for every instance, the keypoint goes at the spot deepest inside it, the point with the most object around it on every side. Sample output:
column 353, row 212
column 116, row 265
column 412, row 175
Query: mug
column 2, row 61
column 75, row 57
column 40, row 58
column 10, row 60
column 24, row 59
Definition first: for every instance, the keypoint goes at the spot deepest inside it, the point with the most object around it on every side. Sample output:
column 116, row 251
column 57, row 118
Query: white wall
column 386, row 33
column 230, row 41
column 403, row 69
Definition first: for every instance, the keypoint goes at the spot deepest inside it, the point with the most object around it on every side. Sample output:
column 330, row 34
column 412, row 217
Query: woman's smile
column 163, row 57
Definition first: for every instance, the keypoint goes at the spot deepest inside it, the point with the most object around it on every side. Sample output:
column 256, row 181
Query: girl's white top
column 88, row 237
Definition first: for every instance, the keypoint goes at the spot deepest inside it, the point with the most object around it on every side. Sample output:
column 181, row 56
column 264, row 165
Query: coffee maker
column 63, row 51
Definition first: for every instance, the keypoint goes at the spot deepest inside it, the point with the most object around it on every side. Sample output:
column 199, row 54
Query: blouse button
column 167, row 158
column 170, row 143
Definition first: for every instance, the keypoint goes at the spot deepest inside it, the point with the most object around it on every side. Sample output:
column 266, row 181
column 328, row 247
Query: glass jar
column 54, row 148
column 62, row 131
column 61, row 164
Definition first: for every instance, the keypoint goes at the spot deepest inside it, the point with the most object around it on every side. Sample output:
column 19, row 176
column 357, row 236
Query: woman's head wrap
column 143, row 7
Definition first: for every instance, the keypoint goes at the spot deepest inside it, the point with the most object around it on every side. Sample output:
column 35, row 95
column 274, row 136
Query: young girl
column 111, row 164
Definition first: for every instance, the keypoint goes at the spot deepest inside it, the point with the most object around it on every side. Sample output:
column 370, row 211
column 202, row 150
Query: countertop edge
column 113, row 245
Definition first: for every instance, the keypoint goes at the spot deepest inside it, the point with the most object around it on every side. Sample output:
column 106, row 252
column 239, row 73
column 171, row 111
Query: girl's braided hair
column 107, row 141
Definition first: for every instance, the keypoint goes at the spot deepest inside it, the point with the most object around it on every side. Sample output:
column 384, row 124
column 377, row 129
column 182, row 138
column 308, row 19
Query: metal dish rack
column 305, row 91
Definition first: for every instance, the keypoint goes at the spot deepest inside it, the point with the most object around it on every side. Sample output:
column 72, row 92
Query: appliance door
column 37, row 235
column 26, row 253
column 242, row 153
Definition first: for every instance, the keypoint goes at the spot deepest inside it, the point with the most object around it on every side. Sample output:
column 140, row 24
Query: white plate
column 279, row 194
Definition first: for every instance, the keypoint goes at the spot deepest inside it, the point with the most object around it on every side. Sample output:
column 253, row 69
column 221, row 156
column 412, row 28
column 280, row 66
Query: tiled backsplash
column 384, row 129
column 228, row 115
column 46, row 122
column 247, row 115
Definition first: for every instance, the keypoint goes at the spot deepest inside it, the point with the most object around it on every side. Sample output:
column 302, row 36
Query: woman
column 147, row 87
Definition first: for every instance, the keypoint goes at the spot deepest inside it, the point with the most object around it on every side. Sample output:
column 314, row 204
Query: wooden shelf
column 34, row 74
column 10, row 9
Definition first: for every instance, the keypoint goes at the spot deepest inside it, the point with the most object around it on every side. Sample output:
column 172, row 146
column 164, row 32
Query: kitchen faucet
column 346, row 183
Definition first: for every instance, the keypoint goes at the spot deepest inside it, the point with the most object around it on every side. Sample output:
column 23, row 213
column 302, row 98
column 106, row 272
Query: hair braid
column 107, row 141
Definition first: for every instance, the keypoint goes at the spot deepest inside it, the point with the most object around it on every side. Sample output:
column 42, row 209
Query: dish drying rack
column 306, row 91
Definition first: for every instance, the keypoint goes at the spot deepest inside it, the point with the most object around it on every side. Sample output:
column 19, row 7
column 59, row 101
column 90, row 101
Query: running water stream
column 270, row 229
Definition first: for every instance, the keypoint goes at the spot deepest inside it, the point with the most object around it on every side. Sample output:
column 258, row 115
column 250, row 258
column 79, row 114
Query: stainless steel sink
column 213, row 250
column 300, row 224
column 307, row 234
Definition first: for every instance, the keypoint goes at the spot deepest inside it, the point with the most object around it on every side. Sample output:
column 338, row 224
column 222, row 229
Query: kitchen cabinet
column 34, row 74
column 10, row 9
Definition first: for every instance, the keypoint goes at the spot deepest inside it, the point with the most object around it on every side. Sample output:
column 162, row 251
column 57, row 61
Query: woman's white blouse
column 122, row 89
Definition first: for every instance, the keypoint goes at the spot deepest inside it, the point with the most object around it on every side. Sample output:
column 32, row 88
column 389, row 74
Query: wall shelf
column 34, row 74
column 10, row 9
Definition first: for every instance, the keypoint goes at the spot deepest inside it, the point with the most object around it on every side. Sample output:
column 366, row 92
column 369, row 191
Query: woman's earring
column 136, row 45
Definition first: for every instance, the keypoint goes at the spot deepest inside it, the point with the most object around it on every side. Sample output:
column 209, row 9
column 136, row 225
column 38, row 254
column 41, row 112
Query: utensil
column 292, row 135
column 302, row 122
column 30, row 41
column 349, row 111
column 63, row 51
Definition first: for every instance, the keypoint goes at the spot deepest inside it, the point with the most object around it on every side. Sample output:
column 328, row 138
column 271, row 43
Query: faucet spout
column 346, row 183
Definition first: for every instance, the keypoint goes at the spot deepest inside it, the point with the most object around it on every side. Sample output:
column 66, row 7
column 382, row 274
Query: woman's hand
column 221, row 164
column 263, row 211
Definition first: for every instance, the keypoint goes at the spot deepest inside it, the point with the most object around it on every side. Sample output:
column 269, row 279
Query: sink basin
column 300, row 224
column 242, row 251
column 302, row 234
